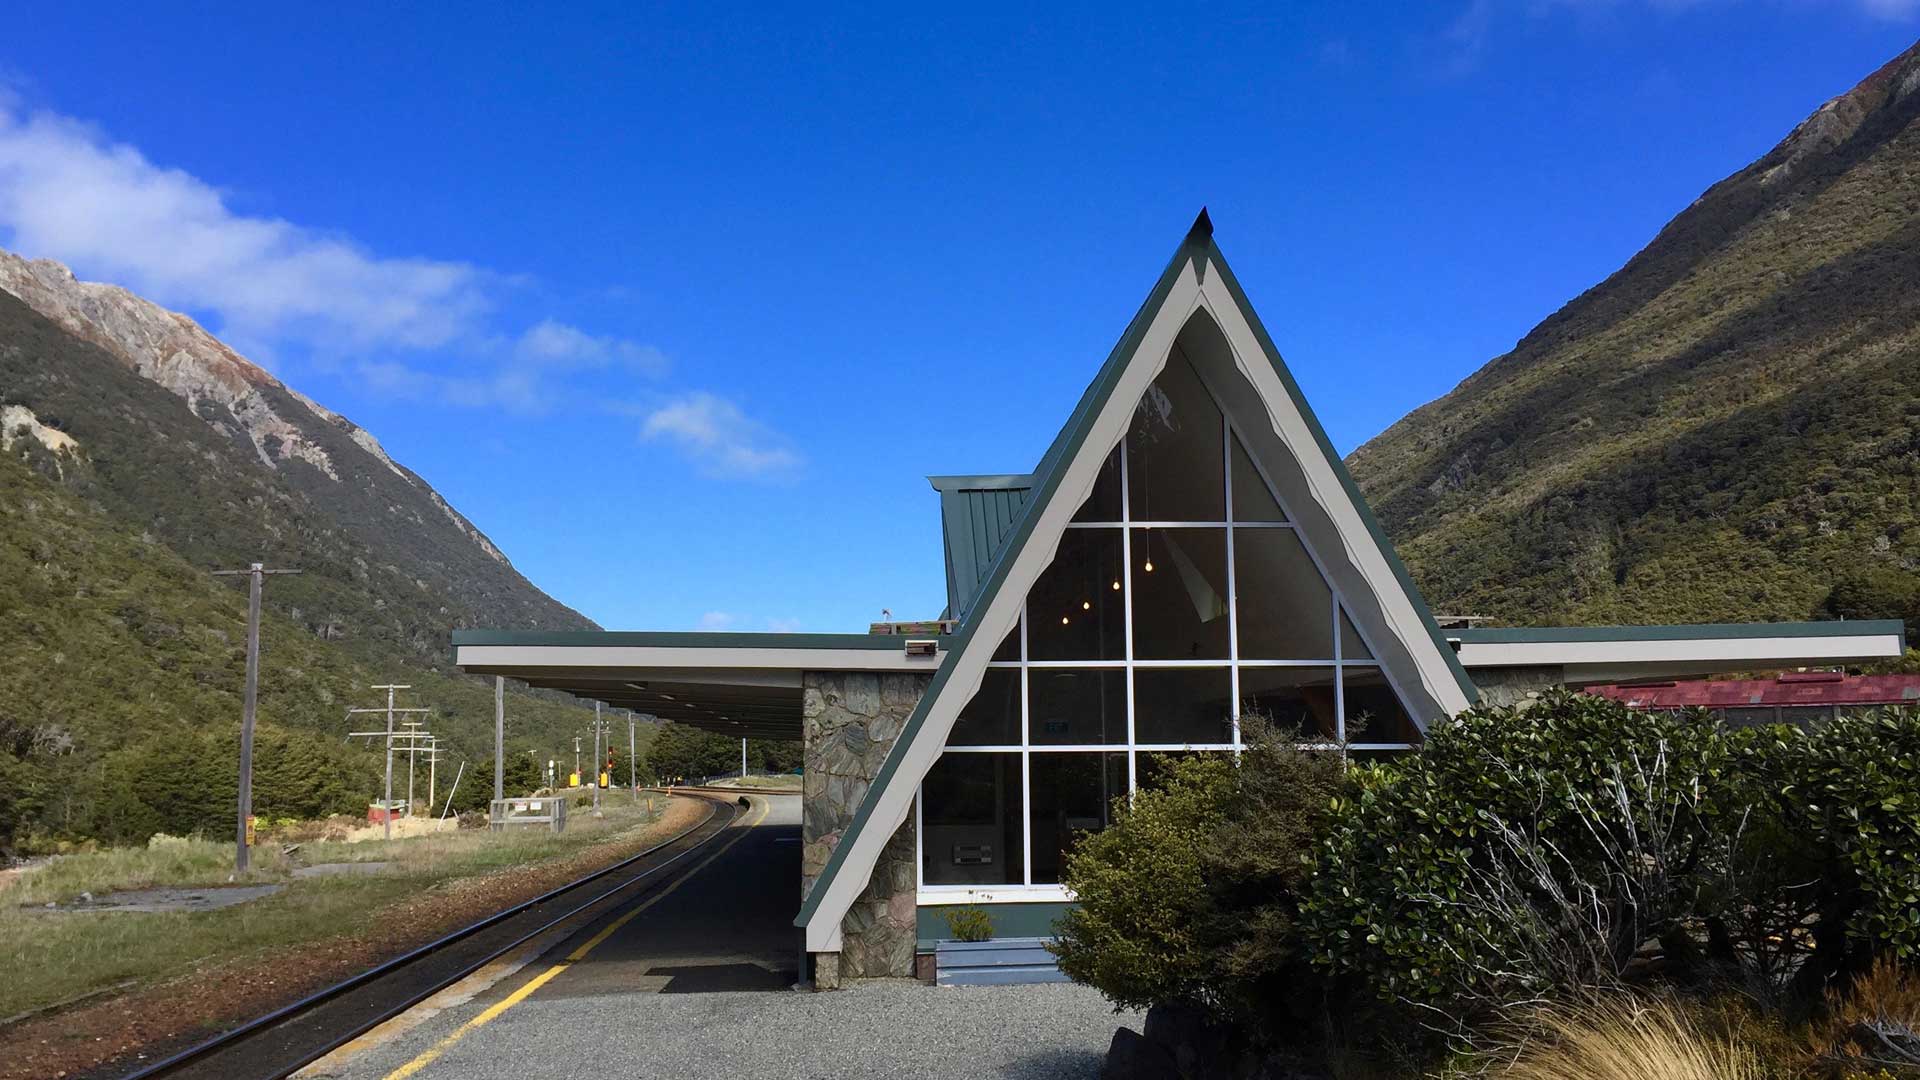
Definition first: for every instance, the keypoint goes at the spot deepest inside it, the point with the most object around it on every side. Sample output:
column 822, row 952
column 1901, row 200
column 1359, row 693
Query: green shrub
column 1521, row 852
column 1138, row 930
column 969, row 923
column 1189, row 897
column 1833, row 844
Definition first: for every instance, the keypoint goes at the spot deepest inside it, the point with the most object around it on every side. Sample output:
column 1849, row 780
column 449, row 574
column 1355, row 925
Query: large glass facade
column 1180, row 600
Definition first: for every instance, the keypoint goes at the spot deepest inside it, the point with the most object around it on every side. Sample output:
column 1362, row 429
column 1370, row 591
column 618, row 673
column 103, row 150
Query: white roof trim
column 499, row 659
column 1710, row 651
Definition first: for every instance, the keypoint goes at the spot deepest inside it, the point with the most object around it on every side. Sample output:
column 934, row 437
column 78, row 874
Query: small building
column 1189, row 549
column 1793, row 697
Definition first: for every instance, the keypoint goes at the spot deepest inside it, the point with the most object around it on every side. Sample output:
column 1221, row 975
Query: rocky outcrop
column 850, row 722
column 222, row 387
column 185, row 437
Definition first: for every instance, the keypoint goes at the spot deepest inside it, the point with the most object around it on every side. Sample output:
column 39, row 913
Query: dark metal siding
column 977, row 522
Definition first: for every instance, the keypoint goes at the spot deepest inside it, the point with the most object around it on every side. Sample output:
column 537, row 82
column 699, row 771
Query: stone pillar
column 850, row 720
column 1516, row 685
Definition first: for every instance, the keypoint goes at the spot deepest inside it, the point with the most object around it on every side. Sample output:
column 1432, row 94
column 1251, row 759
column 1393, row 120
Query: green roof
column 977, row 514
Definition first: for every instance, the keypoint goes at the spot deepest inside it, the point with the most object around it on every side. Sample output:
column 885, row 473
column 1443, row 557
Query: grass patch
column 783, row 782
column 56, row 956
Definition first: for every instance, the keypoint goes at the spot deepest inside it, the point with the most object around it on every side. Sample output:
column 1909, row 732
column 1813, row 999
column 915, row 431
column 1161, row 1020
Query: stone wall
column 1515, row 686
column 850, row 721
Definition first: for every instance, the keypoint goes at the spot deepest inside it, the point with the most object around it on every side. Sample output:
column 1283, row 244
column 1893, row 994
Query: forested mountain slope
column 138, row 454
column 1727, row 428
column 226, row 464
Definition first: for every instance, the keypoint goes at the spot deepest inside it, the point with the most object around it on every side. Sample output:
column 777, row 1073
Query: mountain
column 1727, row 428
column 137, row 454
column 227, row 465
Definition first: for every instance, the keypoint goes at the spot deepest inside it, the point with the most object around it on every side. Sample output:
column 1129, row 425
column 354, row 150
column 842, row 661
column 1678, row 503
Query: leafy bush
column 1836, row 843
column 1520, row 852
column 1189, row 897
column 969, row 923
column 1138, row 931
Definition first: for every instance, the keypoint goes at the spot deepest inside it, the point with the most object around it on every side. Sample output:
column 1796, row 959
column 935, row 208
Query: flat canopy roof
column 739, row 684
column 749, row 684
column 1606, row 654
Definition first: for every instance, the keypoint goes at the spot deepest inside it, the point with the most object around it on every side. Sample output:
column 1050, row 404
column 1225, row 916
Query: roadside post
column 243, row 838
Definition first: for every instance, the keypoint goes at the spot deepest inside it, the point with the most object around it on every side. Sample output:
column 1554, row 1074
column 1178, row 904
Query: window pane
column 1374, row 713
column 1251, row 499
column 1078, row 706
column 1074, row 611
column 971, row 833
column 1010, row 645
column 1180, row 605
column 1298, row 699
column 1182, row 705
column 1104, row 503
column 1351, row 647
column 1072, row 796
column 992, row 718
column 1286, row 609
column 1174, row 466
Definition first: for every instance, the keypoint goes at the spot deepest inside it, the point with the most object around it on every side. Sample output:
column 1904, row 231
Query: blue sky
column 681, row 308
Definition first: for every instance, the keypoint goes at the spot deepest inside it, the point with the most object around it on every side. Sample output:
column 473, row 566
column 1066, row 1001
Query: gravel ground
column 891, row 1030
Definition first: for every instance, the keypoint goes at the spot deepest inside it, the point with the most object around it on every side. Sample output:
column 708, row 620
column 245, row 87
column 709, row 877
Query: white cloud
column 718, row 620
column 783, row 626
column 68, row 192
column 1895, row 10
column 717, row 436
column 557, row 344
column 1463, row 43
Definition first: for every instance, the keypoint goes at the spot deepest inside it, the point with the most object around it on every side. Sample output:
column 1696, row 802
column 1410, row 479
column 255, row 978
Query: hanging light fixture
column 1086, row 605
column 1063, row 620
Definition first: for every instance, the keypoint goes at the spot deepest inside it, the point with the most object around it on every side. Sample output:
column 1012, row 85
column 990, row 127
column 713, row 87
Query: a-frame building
column 1190, row 550
column 1190, row 545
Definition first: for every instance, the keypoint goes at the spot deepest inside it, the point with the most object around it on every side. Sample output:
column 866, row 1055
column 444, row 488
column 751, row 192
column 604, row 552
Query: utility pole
column 578, row 775
column 596, row 758
column 386, row 802
column 433, row 769
column 633, row 783
column 499, row 737
column 256, row 574
column 413, row 735
column 743, row 757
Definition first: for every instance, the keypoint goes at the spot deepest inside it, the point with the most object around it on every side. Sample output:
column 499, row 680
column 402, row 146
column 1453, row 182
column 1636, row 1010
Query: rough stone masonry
column 850, row 721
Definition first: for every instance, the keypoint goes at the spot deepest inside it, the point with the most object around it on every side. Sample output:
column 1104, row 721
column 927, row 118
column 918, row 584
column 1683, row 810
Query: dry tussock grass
column 1625, row 1039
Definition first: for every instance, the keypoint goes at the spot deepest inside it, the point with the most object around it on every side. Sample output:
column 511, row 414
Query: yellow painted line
column 493, row 1012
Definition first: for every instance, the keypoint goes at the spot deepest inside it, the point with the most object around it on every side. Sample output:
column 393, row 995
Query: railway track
column 283, row 1041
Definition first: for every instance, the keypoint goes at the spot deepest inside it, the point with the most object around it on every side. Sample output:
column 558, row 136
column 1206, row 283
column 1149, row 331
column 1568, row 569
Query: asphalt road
column 698, row 982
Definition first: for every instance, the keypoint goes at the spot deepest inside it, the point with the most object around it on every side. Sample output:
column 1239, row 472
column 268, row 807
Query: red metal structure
column 1793, row 697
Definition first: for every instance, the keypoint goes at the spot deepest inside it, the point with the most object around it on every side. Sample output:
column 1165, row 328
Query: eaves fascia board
column 667, row 639
column 1528, row 635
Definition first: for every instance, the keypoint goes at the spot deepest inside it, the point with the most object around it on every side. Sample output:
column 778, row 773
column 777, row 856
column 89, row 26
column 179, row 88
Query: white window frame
column 1026, row 890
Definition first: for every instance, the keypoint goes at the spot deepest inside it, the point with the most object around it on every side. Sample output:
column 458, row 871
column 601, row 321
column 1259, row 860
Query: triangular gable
column 1281, row 433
